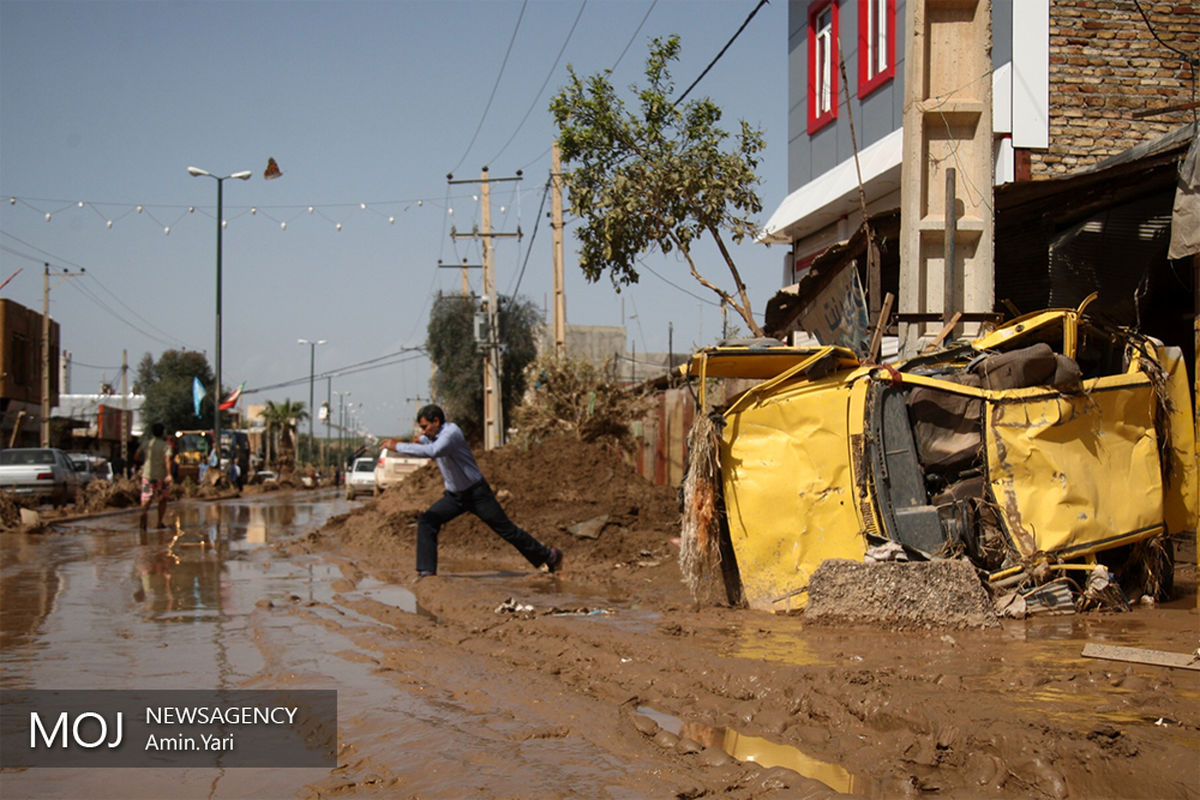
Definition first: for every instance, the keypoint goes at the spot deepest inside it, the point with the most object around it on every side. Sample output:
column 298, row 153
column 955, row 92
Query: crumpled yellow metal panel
column 1180, row 501
column 1074, row 474
column 789, row 489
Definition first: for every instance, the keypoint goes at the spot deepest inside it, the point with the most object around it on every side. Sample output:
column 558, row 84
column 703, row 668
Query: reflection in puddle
column 762, row 751
column 389, row 595
column 784, row 648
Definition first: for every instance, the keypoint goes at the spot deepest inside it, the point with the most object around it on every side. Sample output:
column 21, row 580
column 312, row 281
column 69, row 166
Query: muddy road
column 605, row 680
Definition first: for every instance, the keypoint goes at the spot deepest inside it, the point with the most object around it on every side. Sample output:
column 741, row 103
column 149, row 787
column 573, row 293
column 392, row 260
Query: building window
column 876, row 44
column 822, row 64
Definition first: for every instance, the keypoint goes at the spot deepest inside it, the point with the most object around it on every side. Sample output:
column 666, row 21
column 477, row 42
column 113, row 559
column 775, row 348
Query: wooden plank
column 1139, row 655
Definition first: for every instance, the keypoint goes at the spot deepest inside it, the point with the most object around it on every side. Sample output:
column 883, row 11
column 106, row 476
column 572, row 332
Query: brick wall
column 1105, row 64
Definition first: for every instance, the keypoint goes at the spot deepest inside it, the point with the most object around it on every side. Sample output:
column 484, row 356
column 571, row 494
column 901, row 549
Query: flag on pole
column 197, row 394
column 232, row 400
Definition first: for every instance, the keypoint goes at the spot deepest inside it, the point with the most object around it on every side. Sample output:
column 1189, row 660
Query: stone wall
column 1105, row 64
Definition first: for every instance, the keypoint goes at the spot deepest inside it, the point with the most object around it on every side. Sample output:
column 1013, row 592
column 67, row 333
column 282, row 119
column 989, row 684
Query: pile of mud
column 548, row 489
column 899, row 595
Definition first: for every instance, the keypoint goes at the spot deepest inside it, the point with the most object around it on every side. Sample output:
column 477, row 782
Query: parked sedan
column 361, row 478
column 43, row 473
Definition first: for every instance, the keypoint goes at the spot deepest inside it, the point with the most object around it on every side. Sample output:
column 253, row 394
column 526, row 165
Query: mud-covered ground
column 610, row 670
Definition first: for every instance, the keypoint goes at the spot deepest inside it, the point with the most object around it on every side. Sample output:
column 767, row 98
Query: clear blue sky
column 360, row 103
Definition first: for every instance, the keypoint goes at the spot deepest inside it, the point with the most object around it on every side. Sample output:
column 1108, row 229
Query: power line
column 403, row 354
column 612, row 68
column 495, row 86
column 57, row 261
column 761, row 3
column 1192, row 58
column 532, row 238
column 549, row 75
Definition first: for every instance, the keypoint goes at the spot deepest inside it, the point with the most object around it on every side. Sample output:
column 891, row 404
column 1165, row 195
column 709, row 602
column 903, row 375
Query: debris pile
column 899, row 595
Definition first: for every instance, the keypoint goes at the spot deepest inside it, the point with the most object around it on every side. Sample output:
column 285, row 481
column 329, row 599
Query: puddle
column 389, row 594
column 753, row 749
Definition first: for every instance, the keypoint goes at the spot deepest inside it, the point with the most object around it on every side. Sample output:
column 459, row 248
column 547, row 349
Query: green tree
column 662, row 178
column 281, row 420
column 450, row 340
column 167, row 385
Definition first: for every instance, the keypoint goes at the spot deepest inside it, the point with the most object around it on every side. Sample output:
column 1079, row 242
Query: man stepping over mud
column 466, row 490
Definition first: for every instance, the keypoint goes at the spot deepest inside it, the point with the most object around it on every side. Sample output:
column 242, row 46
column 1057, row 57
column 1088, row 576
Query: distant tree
column 281, row 420
column 167, row 385
column 655, row 179
column 450, row 340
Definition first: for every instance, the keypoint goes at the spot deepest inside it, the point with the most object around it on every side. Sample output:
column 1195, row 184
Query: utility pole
column 45, row 426
column 493, row 411
column 464, row 266
column 124, row 408
column 560, row 297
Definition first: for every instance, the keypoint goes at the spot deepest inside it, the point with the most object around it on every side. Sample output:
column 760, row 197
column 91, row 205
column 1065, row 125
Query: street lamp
column 312, row 361
column 342, row 424
column 196, row 172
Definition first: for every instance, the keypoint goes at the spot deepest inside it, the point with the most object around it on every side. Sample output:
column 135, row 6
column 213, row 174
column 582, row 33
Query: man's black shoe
column 554, row 560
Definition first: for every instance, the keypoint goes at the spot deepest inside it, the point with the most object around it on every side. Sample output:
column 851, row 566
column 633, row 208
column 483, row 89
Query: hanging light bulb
column 420, row 203
column 139, row 209
column 47, row 216
column 108, row 224
column 310, row 209
column 391, row 220
column 283, row 226
column 501, row 209
column 339, row 226
column 80, row 204
column 362, row 206
column 224, row 223
column 167, row 231
column 450, row 211
column 12, row 201
column 253, row 210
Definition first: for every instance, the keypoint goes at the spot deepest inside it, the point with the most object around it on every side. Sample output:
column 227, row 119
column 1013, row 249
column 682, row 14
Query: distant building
column 21, row 365
column 607, row 344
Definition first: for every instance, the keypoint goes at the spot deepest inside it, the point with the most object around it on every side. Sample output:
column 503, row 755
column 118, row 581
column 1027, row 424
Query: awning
column 835, row 193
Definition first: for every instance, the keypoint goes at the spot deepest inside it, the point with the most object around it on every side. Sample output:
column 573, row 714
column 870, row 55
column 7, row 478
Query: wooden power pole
column 493, row 410
column 560, row 297
column 46, row 349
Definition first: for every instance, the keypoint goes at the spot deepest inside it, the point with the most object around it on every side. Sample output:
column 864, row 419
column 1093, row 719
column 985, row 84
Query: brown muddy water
column 97, row 605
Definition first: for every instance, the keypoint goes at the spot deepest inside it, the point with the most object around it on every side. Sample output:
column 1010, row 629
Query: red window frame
column 867, row 82
column 818, row 118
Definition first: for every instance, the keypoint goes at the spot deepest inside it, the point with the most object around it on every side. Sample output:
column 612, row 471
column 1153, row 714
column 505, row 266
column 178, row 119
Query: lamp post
column 196, row 172
column 342, row 425
column 312, row 362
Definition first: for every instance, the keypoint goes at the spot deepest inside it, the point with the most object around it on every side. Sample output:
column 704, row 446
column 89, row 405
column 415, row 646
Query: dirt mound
column 548, row 489
column 10, row 512
column 102, row 495
column 899, row 596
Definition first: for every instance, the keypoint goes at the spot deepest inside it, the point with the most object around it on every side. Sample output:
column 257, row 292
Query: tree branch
column 744, row 307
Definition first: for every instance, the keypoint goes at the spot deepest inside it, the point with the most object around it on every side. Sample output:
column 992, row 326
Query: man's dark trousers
column 481, row 502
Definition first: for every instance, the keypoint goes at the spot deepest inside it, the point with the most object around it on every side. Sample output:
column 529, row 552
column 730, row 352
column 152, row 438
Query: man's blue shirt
column 449, row 450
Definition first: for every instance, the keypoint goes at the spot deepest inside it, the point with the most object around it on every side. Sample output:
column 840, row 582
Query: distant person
column 156, row 473
column 466, row 490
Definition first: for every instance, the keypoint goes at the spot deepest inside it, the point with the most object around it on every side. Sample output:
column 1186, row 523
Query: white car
column 360, row 478
column 391, row 468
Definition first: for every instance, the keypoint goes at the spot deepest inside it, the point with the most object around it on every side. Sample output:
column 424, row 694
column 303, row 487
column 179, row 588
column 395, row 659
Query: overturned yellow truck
column 1050, row 444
